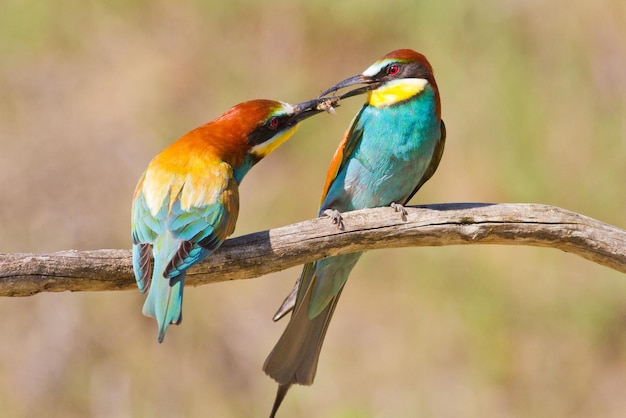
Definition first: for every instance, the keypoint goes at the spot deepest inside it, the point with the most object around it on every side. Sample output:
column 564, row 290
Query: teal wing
column 169, row 240
column 200, row 230
column 145, row 228
column 434, row 162
column 344, row 152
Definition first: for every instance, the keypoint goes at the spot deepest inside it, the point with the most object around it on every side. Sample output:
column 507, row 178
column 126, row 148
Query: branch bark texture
column 269, row 251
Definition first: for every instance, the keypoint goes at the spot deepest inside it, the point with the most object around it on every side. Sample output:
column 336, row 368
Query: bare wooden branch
column 264, row 252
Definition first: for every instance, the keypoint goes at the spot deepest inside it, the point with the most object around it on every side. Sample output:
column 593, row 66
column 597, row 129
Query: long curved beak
column 309, row 108
column 371, row 84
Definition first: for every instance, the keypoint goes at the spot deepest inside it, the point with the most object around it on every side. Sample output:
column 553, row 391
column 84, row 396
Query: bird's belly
column 391, row 181
column 378, row 178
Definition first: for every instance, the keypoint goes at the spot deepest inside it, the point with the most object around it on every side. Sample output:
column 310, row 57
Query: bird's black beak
column 371, row 84
column 309, row 108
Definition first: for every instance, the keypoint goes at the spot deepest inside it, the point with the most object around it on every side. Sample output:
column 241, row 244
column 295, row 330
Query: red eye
column 393, row 70
column 274, row 122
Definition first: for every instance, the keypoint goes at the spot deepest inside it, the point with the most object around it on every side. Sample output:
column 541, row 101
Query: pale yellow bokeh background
column 534, row 98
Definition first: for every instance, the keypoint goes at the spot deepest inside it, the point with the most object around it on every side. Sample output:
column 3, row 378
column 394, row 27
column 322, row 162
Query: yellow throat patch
column 396, row 91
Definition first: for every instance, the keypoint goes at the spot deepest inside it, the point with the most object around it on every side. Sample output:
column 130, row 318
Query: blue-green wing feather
column 165, row 245
column 145, row 229
column 201, row 230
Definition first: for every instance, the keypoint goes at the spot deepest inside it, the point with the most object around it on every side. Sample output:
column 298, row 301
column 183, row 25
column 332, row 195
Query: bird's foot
column 399, row 208
column 336, row 217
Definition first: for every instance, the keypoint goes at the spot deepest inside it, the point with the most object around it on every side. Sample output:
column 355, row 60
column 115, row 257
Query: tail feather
column 165, row 297
column 289, row 302
column 294, row 358
column 280, row 395
column 164, row 302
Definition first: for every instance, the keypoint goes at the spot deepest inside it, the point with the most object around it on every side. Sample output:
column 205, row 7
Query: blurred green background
column 534, row 98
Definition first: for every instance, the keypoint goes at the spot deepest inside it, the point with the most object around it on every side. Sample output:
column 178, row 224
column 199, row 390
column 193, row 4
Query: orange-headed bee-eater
column 391, row 149
column 187, row 200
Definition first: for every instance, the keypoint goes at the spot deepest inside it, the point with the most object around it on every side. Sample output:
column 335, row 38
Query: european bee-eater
column 187, row 201
column 392, row 148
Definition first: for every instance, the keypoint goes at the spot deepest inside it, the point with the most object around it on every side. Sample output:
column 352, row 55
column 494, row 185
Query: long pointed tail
column 295, row 355
column 280, row 395
column 165, row 298
column 165, row 302
column 294, row 358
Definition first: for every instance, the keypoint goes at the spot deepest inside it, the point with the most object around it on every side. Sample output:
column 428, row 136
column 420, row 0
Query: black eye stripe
column 404, row 70
column 260, row 135
column 267, row 130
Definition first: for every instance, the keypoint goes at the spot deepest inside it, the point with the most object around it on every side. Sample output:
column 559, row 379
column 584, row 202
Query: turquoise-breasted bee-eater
column 187, row 201
column 392, row 148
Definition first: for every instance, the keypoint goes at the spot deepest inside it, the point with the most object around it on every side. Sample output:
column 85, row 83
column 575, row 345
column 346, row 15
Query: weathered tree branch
column 264, row 252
